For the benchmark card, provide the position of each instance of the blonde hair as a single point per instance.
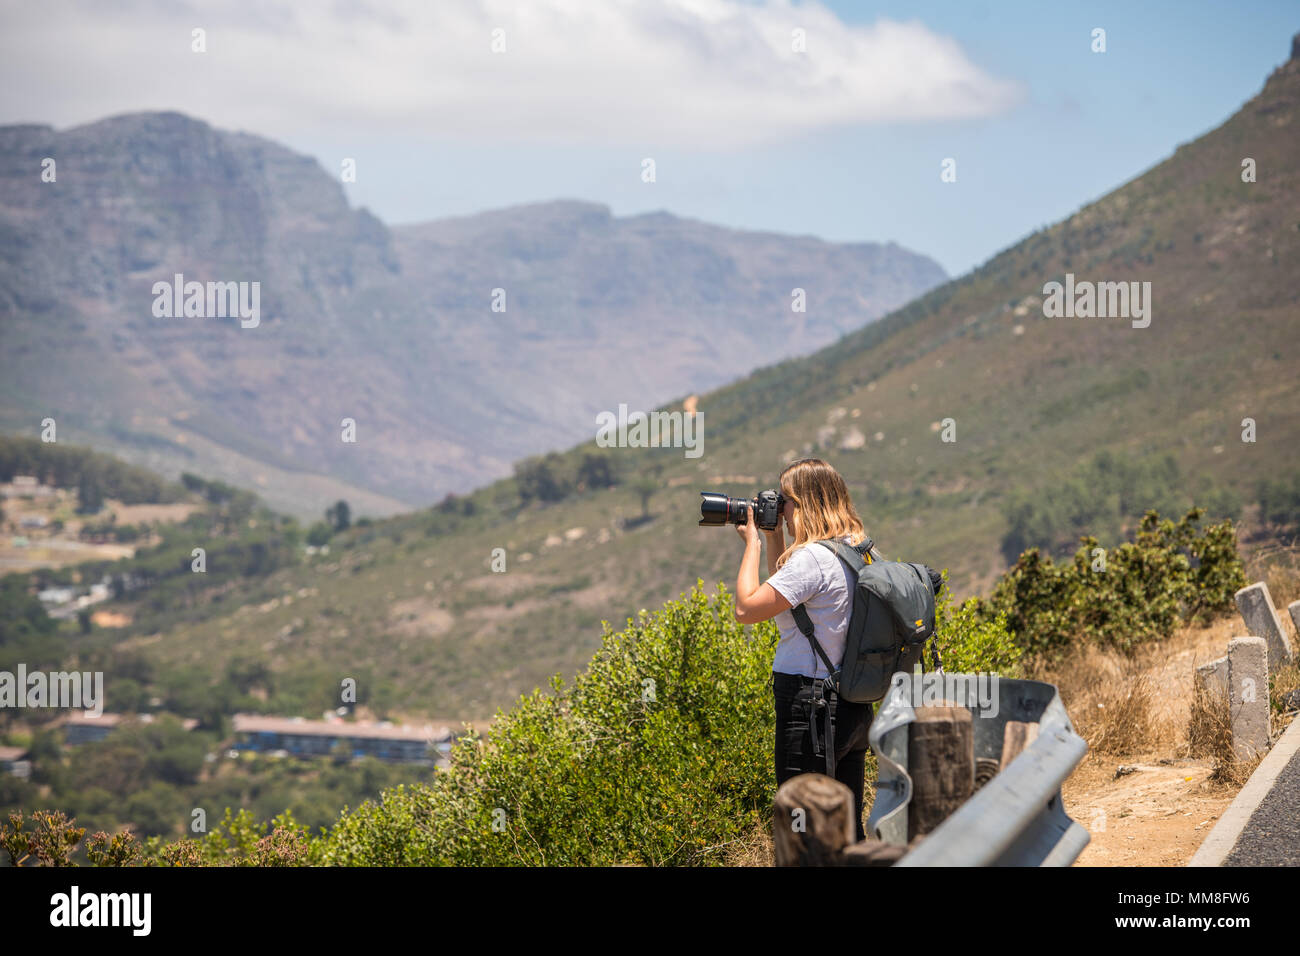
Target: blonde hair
(822, 508)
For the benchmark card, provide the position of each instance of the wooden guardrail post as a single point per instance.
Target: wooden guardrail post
(812, 821)
(941, 763)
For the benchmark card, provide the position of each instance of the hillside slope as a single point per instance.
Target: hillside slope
(392, 328)
(414, 605)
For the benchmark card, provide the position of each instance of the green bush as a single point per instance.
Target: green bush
(1101, 497)
(659, 754)
(1279, 503)
(969, 642)
(1169, 573)
(238, 840)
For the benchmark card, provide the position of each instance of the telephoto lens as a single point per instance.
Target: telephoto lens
(719, 509)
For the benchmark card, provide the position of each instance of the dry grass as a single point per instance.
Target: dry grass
(1145, 705)
(751, 848)
(1113, 699)
(1278, 566)
(1148, 702)
(1209, 734)
(1284, 681)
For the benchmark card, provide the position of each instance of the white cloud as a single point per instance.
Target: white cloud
(678, 73)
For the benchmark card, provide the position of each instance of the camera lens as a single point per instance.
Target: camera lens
(719, 509)
(715, 508)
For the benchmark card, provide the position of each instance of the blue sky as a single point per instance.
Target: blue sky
(839, 143)
(1091, 121)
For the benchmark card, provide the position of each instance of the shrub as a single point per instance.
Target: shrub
(319, 534)
(541, 479)
(51, 840)
(1279, 503)
(660, 753)
(121, 849)
(969, 642)
(238, 840)
(1170, 572)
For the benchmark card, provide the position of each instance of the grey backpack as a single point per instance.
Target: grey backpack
(891, 619)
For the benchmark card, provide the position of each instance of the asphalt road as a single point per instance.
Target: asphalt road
(1272, 837)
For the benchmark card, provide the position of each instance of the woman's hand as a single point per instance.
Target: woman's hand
(749, 531)
(776, 538)
(754, 602)
(775, 547)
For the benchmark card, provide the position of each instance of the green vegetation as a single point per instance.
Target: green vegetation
(970, 640)
(1101, 498)
(1279, 502)
(339, 516)
(153, 776)
(1125, 596)
(1066, 430)
(94, 475)
(658, 754)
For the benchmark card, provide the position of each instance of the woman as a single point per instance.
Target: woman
(817, 506)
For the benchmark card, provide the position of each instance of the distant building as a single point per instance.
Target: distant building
(321, 738)
(65, 602)
(80, 729)
(26, 486)
(12, 761)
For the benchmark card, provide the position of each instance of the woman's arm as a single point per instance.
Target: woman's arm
(755, 602)
(775, 547)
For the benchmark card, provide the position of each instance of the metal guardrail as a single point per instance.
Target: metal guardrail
(1015, 819)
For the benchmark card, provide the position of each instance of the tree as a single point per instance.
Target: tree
(1279, 503)
(645, 487)
(319, 534)
(90, 495)
(339, 516)
(537, 480)
(594, 471)
(21, 615)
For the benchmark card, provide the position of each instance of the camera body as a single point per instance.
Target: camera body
(719, 509)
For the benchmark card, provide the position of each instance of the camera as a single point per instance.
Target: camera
(719, 509)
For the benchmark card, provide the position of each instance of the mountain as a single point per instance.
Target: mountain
(412, 607)
(392, 328)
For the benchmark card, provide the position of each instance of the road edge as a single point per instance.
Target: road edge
(1216, 847)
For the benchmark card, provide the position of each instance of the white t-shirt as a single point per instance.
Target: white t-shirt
(815, 577)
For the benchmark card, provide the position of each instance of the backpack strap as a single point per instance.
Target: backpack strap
(856, 557)
(800, 615)
(819, 701)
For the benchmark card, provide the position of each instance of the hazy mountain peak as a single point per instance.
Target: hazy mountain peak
(458, 346)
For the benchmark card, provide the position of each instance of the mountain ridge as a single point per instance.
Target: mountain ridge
(389, 326)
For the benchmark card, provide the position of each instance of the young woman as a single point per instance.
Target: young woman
(817, 506)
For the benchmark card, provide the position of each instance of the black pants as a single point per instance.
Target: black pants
(792, 695)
